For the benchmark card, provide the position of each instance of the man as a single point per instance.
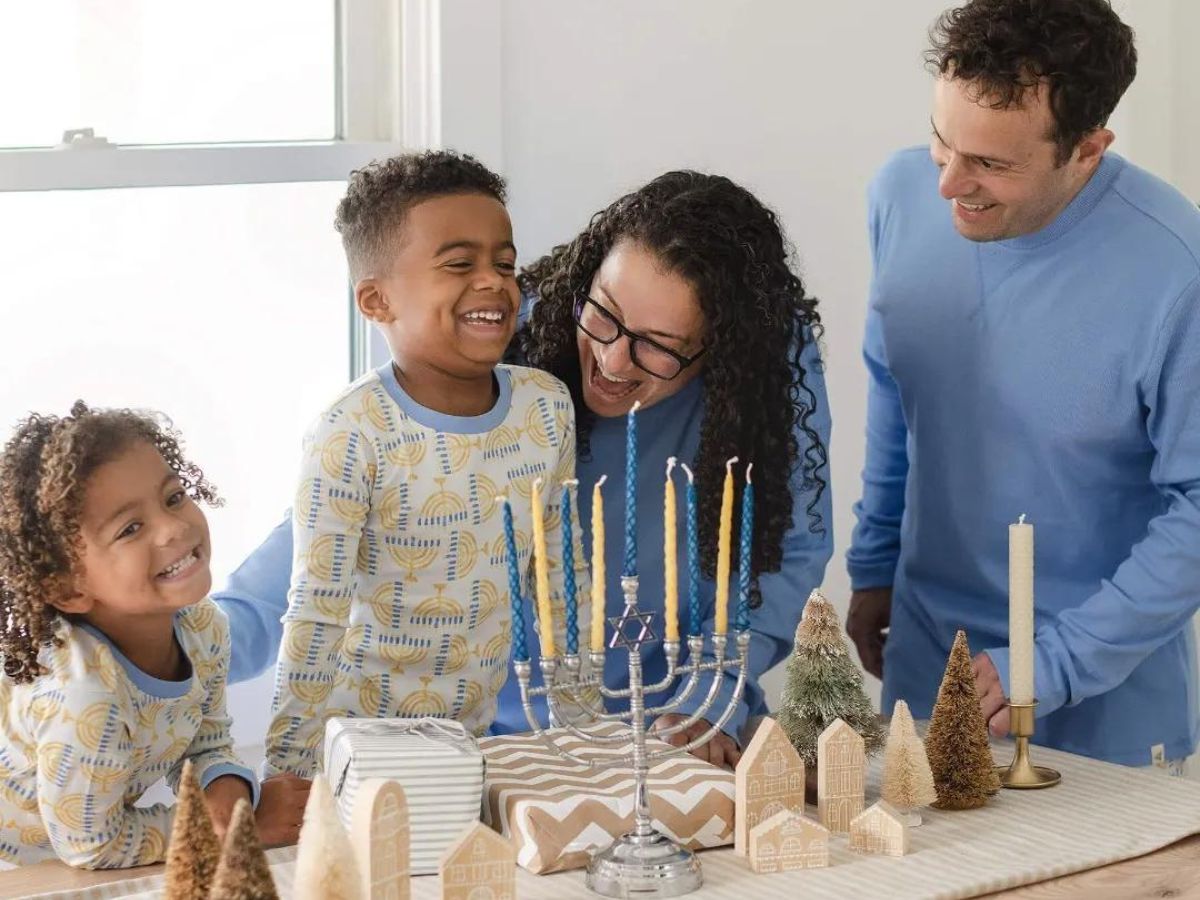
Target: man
(1033, 345)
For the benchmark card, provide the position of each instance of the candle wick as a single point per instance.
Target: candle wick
(670, 465)
(570, 482)
(1021, 519)
(748, 468)
(600, 483)
(537, 482)
(689, 472)
(729, 464)
(637, 404)
(501, 498)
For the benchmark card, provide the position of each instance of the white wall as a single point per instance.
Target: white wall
(1185, 73)
(799, 101)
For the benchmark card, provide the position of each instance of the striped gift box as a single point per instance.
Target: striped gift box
(437, 761)
(558, 812)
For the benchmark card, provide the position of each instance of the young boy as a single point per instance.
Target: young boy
(398, 603)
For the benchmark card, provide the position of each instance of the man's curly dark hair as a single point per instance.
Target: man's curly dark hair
(730, 248)
(380, 194)
(44, 471)
(1080, 49)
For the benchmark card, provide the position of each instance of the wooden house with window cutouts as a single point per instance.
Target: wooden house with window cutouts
(480, 865)
(380, 834)
(841, 763)
(769, 779)
(880, 829)
(786, 842)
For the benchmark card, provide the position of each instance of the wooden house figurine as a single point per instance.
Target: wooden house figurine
(841, 763)
(786, 842)
(769, 779)
(480, 865)
(880, 829)
(379, 831)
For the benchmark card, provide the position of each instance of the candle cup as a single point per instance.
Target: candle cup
(1021, 773)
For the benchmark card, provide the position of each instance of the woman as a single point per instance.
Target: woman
(678, 295)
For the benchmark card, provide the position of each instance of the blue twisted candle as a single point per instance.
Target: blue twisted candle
(520, 647)
(631, 443)
(693, 559)
(568, 564)
(742, 622)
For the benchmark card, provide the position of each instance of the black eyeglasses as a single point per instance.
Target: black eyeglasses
(650, 356)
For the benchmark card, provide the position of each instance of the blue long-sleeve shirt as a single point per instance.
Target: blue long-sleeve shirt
(1055, 374)
(256, 594)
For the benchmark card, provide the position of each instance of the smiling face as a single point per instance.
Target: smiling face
(634, 288)
(448, 302)
(999, 168)
(145, 544)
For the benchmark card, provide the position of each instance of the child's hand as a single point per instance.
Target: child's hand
(281, 809)
(221, 796)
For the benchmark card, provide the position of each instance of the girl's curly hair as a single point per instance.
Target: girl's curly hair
(44, 471)
(730, 248)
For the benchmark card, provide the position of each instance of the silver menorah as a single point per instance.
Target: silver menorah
(643, 862)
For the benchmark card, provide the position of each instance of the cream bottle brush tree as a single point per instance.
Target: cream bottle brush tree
(907, 778)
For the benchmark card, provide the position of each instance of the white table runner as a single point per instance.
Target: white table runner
(1099, 814)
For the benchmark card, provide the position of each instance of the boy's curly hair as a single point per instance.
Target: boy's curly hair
(44, 471)
(380, 194)
(730, 248)
(1080, 48)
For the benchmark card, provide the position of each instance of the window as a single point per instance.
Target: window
(168, 72)
(183, 257)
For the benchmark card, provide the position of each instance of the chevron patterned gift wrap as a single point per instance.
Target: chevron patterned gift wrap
(436, 761)
(558, 812)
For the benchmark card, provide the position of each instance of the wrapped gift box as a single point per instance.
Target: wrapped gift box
(558, 812)
(437, 761)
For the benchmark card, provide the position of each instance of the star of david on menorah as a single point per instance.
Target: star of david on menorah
(644, 862)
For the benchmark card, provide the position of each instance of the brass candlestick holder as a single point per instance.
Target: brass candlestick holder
(1021, 774)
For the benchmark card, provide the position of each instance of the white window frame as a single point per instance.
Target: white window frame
(411, 74)
(387, 98)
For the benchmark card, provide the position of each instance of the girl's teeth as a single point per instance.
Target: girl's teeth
(177, 566)
(484, 317)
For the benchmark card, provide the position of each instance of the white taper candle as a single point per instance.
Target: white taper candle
(1020, 612)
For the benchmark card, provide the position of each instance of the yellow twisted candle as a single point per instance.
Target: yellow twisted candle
(541, 569)
(723, 550)
(670, 560)
(598, 586)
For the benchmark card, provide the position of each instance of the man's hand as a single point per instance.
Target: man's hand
(281, 810)
(221, 796)
(991, 694)
(870, 614)
(722, 750)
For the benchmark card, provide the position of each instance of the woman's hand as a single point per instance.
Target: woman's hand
(221, 796)
(281, 810)
(721, 750)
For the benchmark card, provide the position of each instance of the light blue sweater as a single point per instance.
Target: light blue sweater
(1056, 374)
(256, 595)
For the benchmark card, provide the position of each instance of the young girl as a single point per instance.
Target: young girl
(114, 662)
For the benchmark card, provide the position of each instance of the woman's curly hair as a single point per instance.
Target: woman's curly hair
(730, 248)
(1080, 48)
(44, 471)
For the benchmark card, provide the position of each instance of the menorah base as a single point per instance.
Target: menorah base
(651, 866)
